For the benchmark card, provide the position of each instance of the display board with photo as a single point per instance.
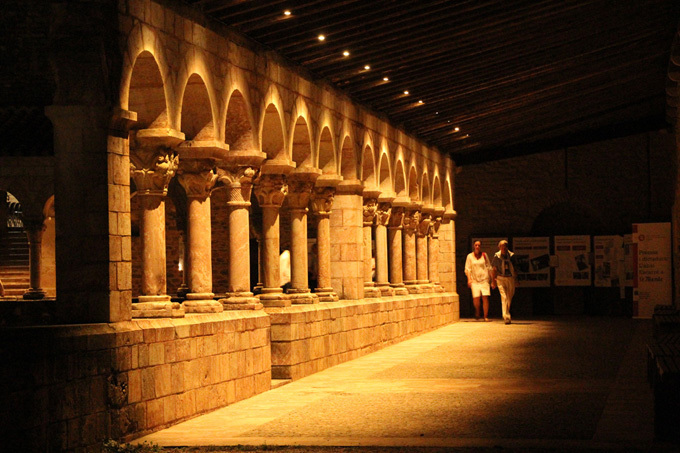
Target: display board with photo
(573, 261)
(532, 255)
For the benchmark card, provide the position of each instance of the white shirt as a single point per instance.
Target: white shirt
(477, 269)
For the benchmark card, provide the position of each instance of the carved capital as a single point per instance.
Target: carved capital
(239, 183)
(382, 214)
(370, 208)
(411, 220)
(152, 169)
(271, 190)
(434, 226)
(424, 224)
(397, 217)
(299, 193)
(197, 177)
(322, 200)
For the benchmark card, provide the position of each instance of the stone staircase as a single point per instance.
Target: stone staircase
(14, 270)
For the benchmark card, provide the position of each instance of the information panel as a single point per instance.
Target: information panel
(609, 256)
(573, 261)
(652, 265)
(532, 256)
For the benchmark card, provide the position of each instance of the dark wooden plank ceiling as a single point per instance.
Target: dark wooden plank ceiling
(512, 76)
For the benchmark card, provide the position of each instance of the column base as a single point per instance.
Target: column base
(34, 294)
(302, 297)
(371, 291)
(386, 290)
(157, 309)
(274, 297)
(426, 287)
(399, 289)
(326, 295)
(243, 300)
(414, 288)
(201, 303)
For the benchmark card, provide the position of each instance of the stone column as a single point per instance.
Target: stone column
(152, 164)
(270, 189)
(322, 203)
(237, 174)
(433, 249)
(411, 222)
(370, 209)
(421, 251)
(197, 177)
(34, 230)
(382, 218)
(300, 185)
(394, 240)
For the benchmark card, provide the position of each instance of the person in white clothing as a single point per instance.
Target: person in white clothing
(477, 270)
(504, 276)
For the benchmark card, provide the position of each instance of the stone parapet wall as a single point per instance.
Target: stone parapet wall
(70, 387)
(309, 338)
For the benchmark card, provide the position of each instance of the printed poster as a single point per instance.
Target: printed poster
(573, 261)
(652, 265)
(609, 257)
(532, 256)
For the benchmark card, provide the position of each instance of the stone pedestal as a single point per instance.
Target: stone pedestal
(421, 252)
(237, 171)
(382, 218)
(270, 189)
(394, 240)
(322, 203)
(411, 221)
(152, 164)
(196, 175)
(370, 209)
(34, 230)
(300, 185)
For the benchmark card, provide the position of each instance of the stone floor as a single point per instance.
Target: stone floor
(557, 384)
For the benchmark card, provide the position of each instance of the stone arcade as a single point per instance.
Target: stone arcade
(179, 144)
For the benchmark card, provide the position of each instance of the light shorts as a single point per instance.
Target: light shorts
(480, 289)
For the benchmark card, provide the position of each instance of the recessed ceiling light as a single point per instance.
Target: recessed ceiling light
(386, 79)
(367, 67)
(436, 113)
(286, 13)
(346, 53)
(456, 129)
(406, 92)
(420, 102)
(322, 37)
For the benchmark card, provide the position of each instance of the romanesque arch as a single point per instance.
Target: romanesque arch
(196, 110)
(239, 131)
(368, 172)
(400, 180)
(348, 159)
(327, 153)
(385, 175)
(301, 143)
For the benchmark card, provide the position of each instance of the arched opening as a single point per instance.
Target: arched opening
(425, 194)
(385, 177)
(196, 111)
(368, 168)
(272, 134)
(348, 160)
(302, 144)
(326, 153)
(413, 184)
(147, 97)
(14, 250)
(238, 130)
(399, 180)
(437, 192)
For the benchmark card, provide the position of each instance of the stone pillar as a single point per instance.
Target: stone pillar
(421, 252)
(347, 241)
(197, 178)
(370, 209)
(382, 218)
(237, 174)
(152, 164)
(300, 185)
(34, 231)
(270, 189)
(433, 249)
(411, 222)
(322, 203)
(394, 240)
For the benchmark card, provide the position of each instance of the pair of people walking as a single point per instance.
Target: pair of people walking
(484, 274)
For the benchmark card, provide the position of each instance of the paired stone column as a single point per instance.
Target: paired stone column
(421, 251)
(411, 222)
(322, 203)
(34, 230)
(237, 172)
(300, 186)
(394, 240)
(370, 209)
(433, 249)
(271, 189)
(153, 163)
(196, 175)
(382, 218)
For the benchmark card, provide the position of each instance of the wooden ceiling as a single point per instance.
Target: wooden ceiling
(496, 78)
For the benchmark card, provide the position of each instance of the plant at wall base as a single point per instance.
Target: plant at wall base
(112, 446)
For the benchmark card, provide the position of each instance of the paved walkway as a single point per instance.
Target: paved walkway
(567, 383)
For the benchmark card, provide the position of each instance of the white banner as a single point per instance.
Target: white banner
(652, 266)
(609, 255)
(573, 261)
(532, 256)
